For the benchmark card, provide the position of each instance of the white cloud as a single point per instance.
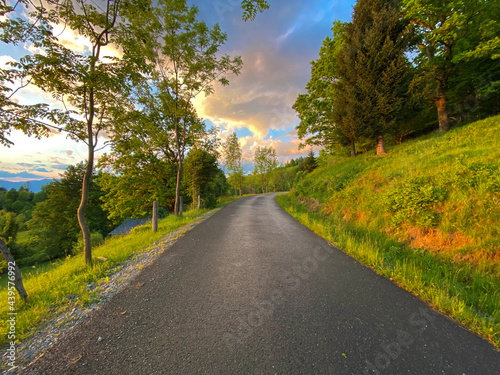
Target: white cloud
(4, 59)
(70, 39)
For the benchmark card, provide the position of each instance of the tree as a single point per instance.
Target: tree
(315, 108)
(94, 85)
(232, 158)
(200, 169)
(184, 54)
(251, 7)
(32, 27)
(265, 162)
(309, 163)
(373, 71)
(444, 33)
(55, 225)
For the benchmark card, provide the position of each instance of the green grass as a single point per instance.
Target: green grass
(57, 286)
(426, 215)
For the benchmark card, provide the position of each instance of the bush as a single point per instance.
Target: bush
(413, 201)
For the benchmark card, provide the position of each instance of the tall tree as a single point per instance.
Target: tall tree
(315, 108)
(200, 169)
(266, 162)
(232, 158)
(373, 71)
(443, 31)
(184, 53)
(95, 86)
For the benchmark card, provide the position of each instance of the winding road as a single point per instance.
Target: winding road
(251, 291)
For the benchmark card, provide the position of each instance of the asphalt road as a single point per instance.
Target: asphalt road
(251, 291)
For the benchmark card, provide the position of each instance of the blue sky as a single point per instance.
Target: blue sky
(277, 48)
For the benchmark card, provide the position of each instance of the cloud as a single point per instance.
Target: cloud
(41, 170)
(4, 59)
(70, 39)
(276, 48)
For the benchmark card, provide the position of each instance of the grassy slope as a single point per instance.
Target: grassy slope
(426, 215)
(50, 286)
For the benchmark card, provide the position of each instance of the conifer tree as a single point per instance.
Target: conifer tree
(373, 72)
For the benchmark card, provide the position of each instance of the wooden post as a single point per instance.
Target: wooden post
(12, 267)
(180, 205)
(155, 216)
(199, 202)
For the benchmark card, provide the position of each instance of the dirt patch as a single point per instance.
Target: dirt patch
(437, 240)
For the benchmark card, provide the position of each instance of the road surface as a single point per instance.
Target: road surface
(251, 291)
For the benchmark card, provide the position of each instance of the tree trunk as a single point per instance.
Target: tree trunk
(177, 209)
(18, 281)
(353, 150)
(381, 146)
(87, 246)
(155, 216)
(444, 121)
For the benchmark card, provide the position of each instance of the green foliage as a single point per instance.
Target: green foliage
(200, 169)
(131, 194)
(265, 163)
(54, 227)
(310, 163)
(252, 7)
(20, 202)
(9, 226)
(232, 159)
(315, 108)
(414, 201)
(457, 45)
(372, 71)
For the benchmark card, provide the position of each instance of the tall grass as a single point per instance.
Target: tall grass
(426, 215)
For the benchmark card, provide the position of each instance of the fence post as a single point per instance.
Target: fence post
(199, 202)
(180, 205)
(155, 216)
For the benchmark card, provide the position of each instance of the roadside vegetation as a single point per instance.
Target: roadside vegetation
(425, 215)
(64, 284)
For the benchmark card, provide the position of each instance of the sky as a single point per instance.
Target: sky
(277, 48)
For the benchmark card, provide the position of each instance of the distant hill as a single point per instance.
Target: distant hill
(34, 185)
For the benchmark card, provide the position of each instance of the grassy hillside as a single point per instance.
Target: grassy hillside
(427, 215)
